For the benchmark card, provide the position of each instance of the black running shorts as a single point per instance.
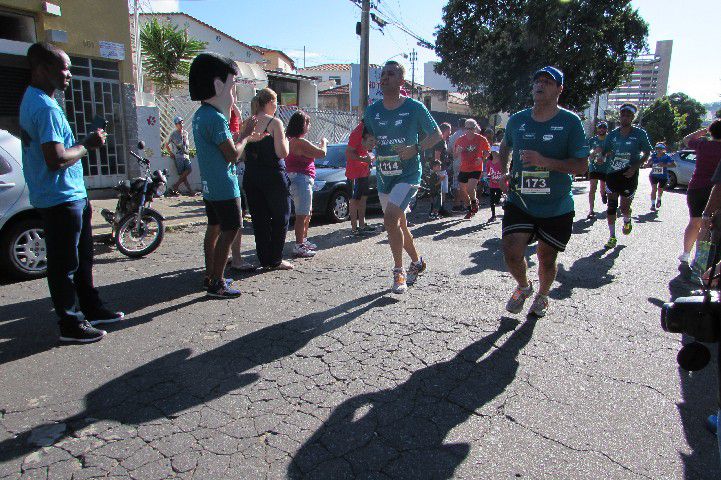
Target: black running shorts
(225, 213)
(696, 199)
(553, 231)
(597, 176)
(617, 182)
(463, 177)
(660, 181)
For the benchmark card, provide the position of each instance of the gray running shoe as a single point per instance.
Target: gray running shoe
(518, 298)
(414, 270)
(540, 305)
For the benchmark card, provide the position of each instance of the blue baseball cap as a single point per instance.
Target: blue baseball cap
(553, 72)
(660, 145)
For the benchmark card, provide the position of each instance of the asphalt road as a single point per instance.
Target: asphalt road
(323, 373)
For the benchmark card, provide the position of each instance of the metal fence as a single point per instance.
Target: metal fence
(333, 125)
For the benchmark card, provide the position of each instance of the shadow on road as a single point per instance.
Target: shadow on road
(468, 230)
(30, 327)
(400, 432)
(590, 272)
(491, 258)
(177, 382)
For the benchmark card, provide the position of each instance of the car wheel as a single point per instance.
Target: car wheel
(672, 181)
(23, 250)
(339, 206)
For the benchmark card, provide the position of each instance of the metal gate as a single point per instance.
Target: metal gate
(95, 90)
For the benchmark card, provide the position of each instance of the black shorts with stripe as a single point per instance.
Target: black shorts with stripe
(553, 231)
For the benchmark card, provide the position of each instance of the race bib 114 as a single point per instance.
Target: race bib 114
(389, 166)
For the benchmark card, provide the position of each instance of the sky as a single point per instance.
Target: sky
(326, 28)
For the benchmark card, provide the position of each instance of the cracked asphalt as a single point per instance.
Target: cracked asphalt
(323, 373)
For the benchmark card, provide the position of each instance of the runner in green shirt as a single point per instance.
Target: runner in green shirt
(625, 150)
(596, 168)
(549, 147)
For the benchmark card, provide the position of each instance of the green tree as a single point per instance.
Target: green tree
(718, 113)
(694, 111)
(490, 48)
(167, 52)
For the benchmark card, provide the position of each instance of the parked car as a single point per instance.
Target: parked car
(682, 172)
(331, 195)
(22, 240)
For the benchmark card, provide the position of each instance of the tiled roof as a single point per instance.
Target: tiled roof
(255, 49)
(345, 67)
(339, 90)
(267, 50)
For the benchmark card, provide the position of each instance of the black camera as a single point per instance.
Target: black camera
(698, 316)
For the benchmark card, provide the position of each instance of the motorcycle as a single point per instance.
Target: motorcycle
(138, 229)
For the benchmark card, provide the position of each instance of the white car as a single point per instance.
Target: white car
(22, 240)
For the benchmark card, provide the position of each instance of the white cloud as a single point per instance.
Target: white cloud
(165, 5)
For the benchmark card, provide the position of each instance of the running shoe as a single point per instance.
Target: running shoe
(468, 215)
(301, 251)
(399, 281)
(354, 232)
(310, 245)
(627, 227)
(474, 207)
(415, 269)
(492, 219)
(103, 315)
(518, 298)
(206, 282)
(368, 229)
(611, 243)
(221, 289)
(684, 257)
(658, 203)
(653, 207)
(539, 305)
(432, 216)
(81, 332)
(591, 215)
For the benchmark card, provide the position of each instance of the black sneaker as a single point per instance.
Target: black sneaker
(222, 289)
(206, 282)
(81, 332)
(104, 316)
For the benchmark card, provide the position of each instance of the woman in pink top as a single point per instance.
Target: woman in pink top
(300, 166)
(494, 174)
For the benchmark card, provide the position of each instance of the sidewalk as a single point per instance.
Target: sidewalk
(177, 211)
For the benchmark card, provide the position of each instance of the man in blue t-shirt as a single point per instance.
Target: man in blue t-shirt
(659, 162)
(397, 123)
(625, 150)
(54, 177)
(212, 81)
(549, 147)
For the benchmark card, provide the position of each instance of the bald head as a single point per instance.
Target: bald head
(49, 66)
(44, 54)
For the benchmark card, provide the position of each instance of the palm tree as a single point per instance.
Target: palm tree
(167, 53)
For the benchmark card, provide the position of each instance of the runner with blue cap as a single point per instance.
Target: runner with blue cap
(659, 162)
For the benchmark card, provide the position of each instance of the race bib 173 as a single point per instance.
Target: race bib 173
(535, 183)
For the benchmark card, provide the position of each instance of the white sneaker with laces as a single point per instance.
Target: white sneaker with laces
(684, 257)
(300, 250)
(309, 245)
(399, 281)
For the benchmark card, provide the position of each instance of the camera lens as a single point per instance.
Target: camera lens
(669, 318)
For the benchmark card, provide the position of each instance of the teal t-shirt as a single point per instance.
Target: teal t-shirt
(593, 165)
(625, 151)
(537, 191)
(220, 178)
(401, 126)
(43, 121)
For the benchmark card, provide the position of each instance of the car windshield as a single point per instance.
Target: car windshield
(335, 158)
(687, 156)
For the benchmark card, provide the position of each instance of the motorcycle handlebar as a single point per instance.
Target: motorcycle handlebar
(140, 159)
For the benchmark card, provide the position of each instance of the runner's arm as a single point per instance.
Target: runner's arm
(352, 154)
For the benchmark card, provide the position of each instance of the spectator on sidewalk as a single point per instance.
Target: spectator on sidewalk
(300, 164)
(178, 146)
(212, 81)
(266, 184)
(358, 159)
(54, 177)
(237, 261)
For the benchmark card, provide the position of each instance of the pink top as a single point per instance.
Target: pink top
(494, 174)
(300, 164)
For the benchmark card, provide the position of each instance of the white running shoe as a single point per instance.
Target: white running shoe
(399, 281)
(684, 257)
(301, 251)
(309, 245)
(414, 270)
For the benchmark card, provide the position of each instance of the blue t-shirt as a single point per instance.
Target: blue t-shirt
(659, 167)
(625, 151)
(593, 164)
(43, 121)
(537, 191)
(401, 126)
(220, 178)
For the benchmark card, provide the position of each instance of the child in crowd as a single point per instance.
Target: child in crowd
(494, 175)
(436, 180)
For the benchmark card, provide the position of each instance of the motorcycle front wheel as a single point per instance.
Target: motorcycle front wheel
(138, 242)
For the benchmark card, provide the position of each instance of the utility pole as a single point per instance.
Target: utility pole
(303, 57)
(364, 56)
(138, 58)
(414, 57)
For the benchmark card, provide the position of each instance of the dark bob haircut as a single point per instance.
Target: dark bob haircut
(205, 68)
(296, 124)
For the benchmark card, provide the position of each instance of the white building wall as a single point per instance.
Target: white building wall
(325, 75)
(216, 42)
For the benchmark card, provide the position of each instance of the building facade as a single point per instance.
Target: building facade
(102, 83)
(649, 79)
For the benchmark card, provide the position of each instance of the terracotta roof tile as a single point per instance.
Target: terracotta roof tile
(339, 90)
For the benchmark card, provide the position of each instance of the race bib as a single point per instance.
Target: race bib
(657, 170)
(535, 183)
(619, 163)
(390, 166)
